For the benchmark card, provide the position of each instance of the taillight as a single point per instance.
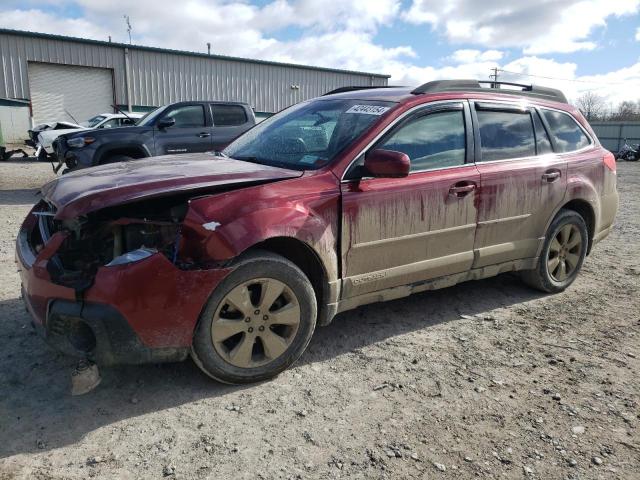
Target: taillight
(610, 161)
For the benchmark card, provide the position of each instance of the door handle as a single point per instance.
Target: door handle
(204, 134)
(461, 189)
(551, 176)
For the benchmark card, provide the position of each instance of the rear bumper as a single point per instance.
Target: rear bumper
(135, 313)
(609, 208)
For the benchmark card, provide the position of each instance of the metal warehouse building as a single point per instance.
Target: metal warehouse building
(45, 78)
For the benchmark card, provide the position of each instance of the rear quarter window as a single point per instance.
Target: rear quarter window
(567, 134)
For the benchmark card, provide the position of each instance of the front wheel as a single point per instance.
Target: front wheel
(257, 322)
(562, 255)
(43, 156)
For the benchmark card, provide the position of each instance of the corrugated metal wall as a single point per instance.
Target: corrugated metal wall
(613, 134)
(159, 77)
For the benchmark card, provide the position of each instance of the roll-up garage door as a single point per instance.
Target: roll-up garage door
(57, 89)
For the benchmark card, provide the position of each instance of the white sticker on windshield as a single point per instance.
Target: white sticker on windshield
(368, 109)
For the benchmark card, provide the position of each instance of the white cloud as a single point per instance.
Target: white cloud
(470, 56)
(38, 21)
(545, 26)
(638, 34)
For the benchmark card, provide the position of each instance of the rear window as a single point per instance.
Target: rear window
(228, 115)
(505, 135)
(567, 134)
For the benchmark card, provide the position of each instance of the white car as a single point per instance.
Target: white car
(46, 138)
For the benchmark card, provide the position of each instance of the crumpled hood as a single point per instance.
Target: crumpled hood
(88, 190)
(48, 136)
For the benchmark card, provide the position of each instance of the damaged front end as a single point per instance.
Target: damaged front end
(113, 267)
(110, 237)
(113, 285)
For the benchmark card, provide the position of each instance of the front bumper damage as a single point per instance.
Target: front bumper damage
(134, 313)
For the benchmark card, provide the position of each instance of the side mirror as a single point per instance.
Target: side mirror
(166, 122)
(387, 164)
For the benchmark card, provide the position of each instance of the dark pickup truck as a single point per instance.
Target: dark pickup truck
(183, 127)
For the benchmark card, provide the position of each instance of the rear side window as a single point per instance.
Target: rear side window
(505, 135)
(543, 143)
(435, 140)
(567, 135)
(228, 115)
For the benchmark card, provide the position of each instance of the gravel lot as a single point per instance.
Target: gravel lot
(486, 379)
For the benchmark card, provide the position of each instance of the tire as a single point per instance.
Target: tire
(548, 275)
(43, 156)
(256, 273)
(116, 159)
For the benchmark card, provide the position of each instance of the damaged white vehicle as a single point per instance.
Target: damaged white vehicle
(46, 138)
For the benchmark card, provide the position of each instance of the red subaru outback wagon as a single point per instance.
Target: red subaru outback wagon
(359, 196)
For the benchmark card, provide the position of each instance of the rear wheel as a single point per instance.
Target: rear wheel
(562, 255)
(257, 322)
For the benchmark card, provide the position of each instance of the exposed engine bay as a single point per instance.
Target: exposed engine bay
(110, 237)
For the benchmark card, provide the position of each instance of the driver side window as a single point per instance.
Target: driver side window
(432, 141)
(188, 116)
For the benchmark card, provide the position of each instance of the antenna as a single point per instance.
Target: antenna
(127, 21)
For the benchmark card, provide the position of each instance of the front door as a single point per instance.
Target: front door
(190, 133)
(407, 230)
(522, 182)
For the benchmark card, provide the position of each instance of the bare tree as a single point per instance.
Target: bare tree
(592, 105)
(627, 111)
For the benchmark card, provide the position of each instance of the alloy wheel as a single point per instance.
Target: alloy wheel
(564, 253)
(255, 323)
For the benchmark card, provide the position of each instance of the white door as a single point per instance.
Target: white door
(60, 90)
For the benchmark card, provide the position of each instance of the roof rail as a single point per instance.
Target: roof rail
(354, 88)
(474, 85)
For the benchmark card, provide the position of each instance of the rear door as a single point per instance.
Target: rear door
(229, 122)
(398, 231)
(190, 133)
(522, 182)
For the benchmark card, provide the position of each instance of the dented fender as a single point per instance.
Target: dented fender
(221, 227)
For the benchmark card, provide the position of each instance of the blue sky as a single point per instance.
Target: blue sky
(576, 45)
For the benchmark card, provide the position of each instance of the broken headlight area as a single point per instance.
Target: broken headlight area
(110, 243)
(112, 237)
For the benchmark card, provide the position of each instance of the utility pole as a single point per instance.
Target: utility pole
(494, 77)
(208, 48)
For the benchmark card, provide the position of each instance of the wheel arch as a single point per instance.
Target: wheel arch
(305, 257)
(586, 211)
(133, 151)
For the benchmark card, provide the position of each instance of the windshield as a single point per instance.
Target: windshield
(92, 122)
(308, 135)
(150, 117)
